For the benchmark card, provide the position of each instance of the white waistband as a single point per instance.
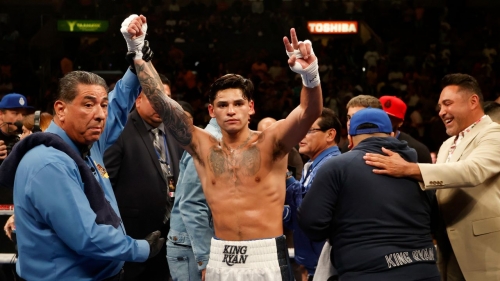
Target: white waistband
(244, 254)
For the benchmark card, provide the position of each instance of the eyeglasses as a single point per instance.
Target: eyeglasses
(312, 130)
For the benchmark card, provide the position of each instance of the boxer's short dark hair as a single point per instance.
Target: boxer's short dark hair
(231, 81)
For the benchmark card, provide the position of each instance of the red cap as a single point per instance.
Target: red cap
(393, 106)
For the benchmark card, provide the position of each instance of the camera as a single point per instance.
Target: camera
(9, 146)
(11, 140)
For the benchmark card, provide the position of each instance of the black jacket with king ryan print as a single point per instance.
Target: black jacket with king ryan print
(379, 226)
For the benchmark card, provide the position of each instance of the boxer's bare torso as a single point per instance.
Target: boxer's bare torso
(243, 173)
(244, 187)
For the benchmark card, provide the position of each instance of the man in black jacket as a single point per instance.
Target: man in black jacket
(379, 227)
(140, 183)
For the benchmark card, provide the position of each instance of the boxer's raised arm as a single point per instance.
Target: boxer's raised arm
(302, 60)
(172, 114)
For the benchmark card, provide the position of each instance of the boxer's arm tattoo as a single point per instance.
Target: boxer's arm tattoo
(171, 112)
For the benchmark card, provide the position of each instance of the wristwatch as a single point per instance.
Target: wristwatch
(289, 174)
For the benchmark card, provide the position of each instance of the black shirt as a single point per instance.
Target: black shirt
(423, 153)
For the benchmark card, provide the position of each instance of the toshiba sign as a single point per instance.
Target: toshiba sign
(332, 27)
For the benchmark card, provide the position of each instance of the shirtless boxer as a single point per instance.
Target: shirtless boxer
(243, 173)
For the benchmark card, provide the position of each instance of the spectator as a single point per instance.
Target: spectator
(142, 165)
(66, 65)
(37, 122)
(276, 71)
(395, 78)
(191, 229)
(174, 7)
(13, 108)
(259, 68)
(354, 105)
(492, 109)
(166, 85)
(371, 58)
(320, 144)
(490, 53)
(396, 109)
(417, 122)
(467, 179)
(346, 199)
(258, 6)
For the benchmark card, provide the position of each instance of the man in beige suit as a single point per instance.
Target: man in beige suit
(467, 179)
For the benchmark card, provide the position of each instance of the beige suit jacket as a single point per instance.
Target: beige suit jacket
(469, 200)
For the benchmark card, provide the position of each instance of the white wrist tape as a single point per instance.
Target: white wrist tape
(310, 75)
(136, 44)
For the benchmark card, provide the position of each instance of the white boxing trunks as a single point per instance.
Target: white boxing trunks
(253, 260)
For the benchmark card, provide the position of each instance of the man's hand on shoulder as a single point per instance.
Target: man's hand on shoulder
(391, 164)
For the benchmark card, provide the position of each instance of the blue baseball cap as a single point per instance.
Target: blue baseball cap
(373, 116)
(14, 100)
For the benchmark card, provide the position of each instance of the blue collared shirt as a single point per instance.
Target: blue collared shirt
(190, 217)
(306, 251)
(57, 236)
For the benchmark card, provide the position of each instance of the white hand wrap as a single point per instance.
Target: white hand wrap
(136, 44)
(310, 75)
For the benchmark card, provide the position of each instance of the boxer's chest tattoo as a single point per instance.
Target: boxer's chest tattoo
(250, 161)
(217, 161)
(233, 164)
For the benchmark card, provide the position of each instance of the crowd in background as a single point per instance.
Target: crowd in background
(410, 49)
(406, 52)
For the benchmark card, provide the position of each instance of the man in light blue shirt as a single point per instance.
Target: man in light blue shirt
(188, 241)
(60, 234)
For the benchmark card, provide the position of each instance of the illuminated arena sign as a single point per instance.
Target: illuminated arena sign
(82, 25)
(332, 27)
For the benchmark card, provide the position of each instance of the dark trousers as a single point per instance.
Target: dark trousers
(117, 277)
(154, 269)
